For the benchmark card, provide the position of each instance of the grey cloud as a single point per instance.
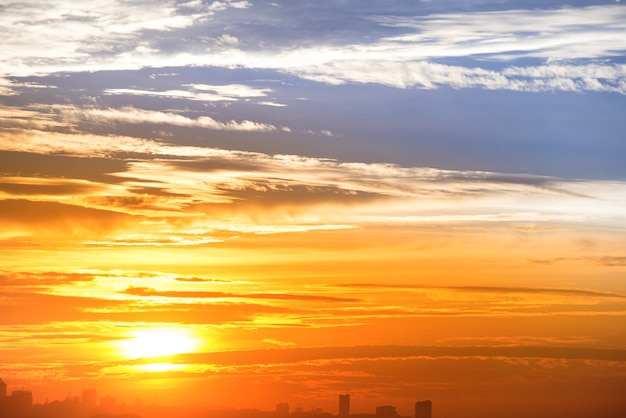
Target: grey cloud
(292, 355)
(96, 170)
(25, 309)
(495, 289)
(199, 280)
(276, 193)
(208, 165)
(551, 184)
(608, 261)
(146, 291)
(53, 213)
(24, 280)
(362, 34)
(611, 261)
(25, 189)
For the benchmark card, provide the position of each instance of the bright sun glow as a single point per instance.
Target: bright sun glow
(159, 342)
(161, 367)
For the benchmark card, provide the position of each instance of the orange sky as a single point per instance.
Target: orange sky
(481, 314)
(190, 276)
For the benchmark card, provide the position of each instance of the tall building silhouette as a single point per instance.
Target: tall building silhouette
(22, 399)
(90, 397)
(3, 389)
(423, 409)
(344, 405)
(282, 408)
(386, 411)
(107, 403)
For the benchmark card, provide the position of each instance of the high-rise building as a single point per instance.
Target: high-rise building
(282, 408)
(423, 409)
(22, 398)
(386, 411)
(90, 397)
(3, 389)
(344, 405)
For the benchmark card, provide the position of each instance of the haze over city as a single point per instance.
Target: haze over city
(231, 205)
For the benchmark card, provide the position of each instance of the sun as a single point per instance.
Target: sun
(156, 342)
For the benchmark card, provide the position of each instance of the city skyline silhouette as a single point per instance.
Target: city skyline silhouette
(19, 404)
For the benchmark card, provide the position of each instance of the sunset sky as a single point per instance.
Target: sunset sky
(241, 203)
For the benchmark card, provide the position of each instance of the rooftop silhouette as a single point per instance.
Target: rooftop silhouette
(20, 405)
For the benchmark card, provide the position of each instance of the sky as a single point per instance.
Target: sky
(241, 203)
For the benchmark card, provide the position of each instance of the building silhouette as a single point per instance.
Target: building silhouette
(3, 389)
(386, 411)
(90, 397)
(423, 409)
(18, 405)
(107, 403)
(22, 399)
(344, 405)
(282, 408)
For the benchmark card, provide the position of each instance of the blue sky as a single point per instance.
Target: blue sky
(507, 86)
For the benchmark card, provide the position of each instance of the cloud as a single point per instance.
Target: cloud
(153, 240)
(223, 5)
(430, 75)
(496, 289)
(170, 94)
(274, 105)
(17, 187)
(30, 280)
(133, 115)
(524, 340)
(232, 90)
(278, 343)
(23, 118)
(296, 192)
(227, 39)
(70, 35)
(607, 261)
(292, 355)
(73, 218)
(144, 291)
(202, 196)
(7, 87)
(196, 280)
(44, 167)
(564, 33)
(89, 145)
(407, 48)
(198, 92)
(96, 296)
(25, 308)
(76, 32)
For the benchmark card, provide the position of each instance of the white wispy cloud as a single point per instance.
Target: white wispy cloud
(76, 36)
(429, 75)
(576, 45)
(231, 90)
(170, 94)
(565, 33)
(223, 5)
(402, 194)
(130, 114)
(7, 87)
(16, 117)
(199, 92)
(43, 34)
(274, 104)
